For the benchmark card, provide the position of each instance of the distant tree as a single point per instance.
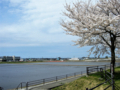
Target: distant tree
(98, 56)
(97, 25)
(106, 56)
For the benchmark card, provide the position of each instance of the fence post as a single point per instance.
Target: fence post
(105, 67)
(74, 74)
(112, 77)
(43, 81)
(101, 70)
(105, 75)
(27, 86)
(66, 76)
(21, 85)
(56, 78)
(97, 68)
(87, 70)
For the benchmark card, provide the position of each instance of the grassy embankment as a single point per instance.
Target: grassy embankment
(20, 62)
(89, 82)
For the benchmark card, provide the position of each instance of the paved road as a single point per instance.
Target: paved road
(50, 85)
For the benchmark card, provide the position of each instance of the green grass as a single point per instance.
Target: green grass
(89, 82)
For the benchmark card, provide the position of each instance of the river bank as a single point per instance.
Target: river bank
(89, 82)
(88, 60)
(20, 62)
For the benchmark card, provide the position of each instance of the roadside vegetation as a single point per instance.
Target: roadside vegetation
(89, 82)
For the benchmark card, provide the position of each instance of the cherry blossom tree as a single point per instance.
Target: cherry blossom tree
(96, 25)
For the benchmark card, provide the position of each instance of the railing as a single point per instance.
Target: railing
(117, 64)
(1, 88)
(53, 79)
(110, 81)
(49, 80)
(21, 85)
(93, 69)
(109, 77)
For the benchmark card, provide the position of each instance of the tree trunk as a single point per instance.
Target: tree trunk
(113, 39)
(113, 59)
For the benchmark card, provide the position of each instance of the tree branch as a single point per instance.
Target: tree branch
(106, 41)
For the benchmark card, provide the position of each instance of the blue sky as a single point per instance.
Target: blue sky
(30, 28)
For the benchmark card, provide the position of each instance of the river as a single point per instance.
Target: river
(12, 74)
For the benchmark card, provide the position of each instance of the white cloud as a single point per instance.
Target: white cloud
(38, 25)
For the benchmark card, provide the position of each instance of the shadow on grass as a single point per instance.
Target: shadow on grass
(117, 75)
(98, 74)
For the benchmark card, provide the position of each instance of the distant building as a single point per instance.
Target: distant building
(58, 58)
(21, 60)
(0, 59)
(17, 59)
(74, 59)
(9, 59)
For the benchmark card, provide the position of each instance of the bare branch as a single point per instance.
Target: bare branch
(106, 41)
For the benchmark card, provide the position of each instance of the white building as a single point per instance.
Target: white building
(74, 59)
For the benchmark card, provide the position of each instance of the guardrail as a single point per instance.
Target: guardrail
(93, 69)
(49, 80)
(109, 77)
(21, 85)
(53, 79)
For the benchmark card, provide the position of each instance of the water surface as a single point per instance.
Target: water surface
(12, 74)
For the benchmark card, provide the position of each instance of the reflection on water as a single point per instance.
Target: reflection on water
(12, 74)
